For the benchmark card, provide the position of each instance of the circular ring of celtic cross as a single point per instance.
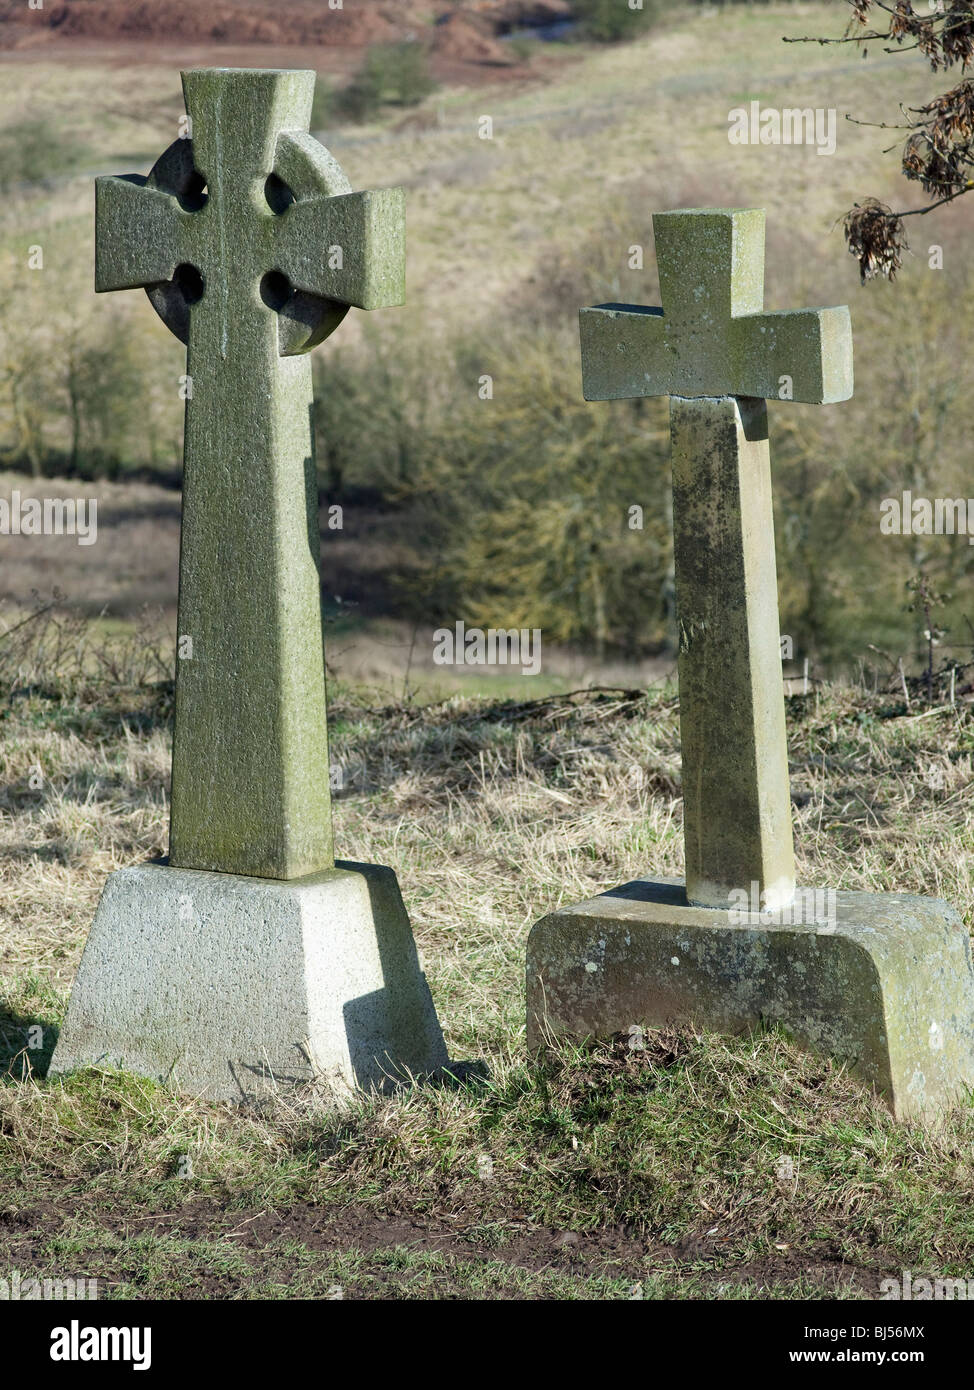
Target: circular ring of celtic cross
(304, 319)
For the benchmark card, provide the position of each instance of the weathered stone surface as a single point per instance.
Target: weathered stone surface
(717, 355)
(227, 987)
(887, 985)
(711, 337)
(251, 272)
(736, 799)
(279, 967)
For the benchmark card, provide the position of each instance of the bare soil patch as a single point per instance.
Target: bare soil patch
(461, 39)
(300, 22)
(504, 1237)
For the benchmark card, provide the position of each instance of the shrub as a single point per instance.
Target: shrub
(34, 151)
(611, 21)
(394, 74)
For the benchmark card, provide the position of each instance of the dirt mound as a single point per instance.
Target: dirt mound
(463, 37)
(247, 21)
(469, 38)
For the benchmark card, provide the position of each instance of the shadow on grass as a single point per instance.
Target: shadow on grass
(98, 711)
(27, 1042)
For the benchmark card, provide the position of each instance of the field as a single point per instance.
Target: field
(697, 1166)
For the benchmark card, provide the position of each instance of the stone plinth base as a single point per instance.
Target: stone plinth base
(884, 981)
(227, 987)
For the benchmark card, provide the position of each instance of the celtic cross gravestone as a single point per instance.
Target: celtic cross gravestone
(250, 957)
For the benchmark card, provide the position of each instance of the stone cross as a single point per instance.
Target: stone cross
(718, 356)
(883, 982)
(251, 246)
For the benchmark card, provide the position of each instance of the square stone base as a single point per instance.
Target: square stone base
(884, 983)
(227, 987)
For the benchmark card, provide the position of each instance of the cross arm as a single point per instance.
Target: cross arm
(800, 355)
(138, 233)
(333, 243)
(349, 248)
(623, 352)
(630, 351)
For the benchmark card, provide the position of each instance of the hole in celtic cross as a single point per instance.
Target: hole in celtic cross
(189, 282)
(193, 194)
(279, 196)
(275, 289)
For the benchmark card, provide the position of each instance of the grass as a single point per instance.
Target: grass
(699, 1167)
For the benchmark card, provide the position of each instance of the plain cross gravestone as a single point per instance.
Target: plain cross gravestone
(250, 958)
(885, 981)
(715, 353)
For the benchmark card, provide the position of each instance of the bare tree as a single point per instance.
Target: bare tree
(938, 150)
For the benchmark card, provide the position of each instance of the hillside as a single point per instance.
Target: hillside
(465, 33)
(507, 235)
